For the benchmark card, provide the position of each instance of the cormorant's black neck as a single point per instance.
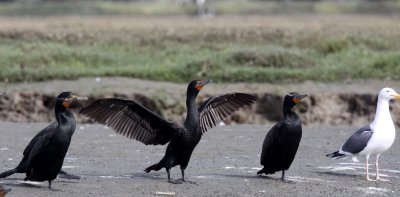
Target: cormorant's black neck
(288, 113)
(64, 117)
(192, 116)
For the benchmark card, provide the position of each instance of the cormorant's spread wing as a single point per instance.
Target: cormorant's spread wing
(215, 109)
(131, 120)
(269, 142)
(37, 137)
(358, 141)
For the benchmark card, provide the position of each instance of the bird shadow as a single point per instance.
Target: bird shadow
(141, 175)
(250, 177)
(25, 185)
(338, 174)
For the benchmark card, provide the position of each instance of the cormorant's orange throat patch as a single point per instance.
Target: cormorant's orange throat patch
(296, 100)
(198, 87)
(66, 103)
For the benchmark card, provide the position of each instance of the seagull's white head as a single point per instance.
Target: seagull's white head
(388, 94)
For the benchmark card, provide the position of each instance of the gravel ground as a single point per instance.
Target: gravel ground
(223, 164)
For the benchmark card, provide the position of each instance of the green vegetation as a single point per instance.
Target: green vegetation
(168, 7)
(177, 48)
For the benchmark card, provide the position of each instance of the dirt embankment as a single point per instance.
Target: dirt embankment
(334, 109)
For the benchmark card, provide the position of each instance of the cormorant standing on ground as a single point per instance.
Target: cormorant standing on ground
(134, 121)
(282, 141)
(44, 155)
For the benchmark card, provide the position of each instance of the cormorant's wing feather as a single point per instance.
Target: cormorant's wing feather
(131, 120)
(358, 141)
(43, 132)
(38, 143)
(215, 109)
(270, 141)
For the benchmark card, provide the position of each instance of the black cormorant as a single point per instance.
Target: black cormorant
(134, 121)
(282, 141)
(44, 155)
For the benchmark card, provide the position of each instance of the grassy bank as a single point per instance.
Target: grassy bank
(170, 7)
(178, 48)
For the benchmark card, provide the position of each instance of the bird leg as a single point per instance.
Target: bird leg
(169, 178)
(283, 178)
(183, 177)
(366, 166)
(49, 184)
(377, 169)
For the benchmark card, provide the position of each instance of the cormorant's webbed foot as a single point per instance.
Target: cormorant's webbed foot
(180, 181)
(174, 181)
(66, 175)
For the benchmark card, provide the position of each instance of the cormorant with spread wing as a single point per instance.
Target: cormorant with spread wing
(282, 141)
(44, 155)
(134, 121)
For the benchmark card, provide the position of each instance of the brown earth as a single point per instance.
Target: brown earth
(347, 103)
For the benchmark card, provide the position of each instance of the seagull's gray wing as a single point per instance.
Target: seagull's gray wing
(358, 141)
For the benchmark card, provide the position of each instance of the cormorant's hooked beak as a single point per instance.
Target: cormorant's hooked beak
(72, 99)
(201, 83)
(299, 97)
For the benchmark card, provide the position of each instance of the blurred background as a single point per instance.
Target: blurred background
(307, 43)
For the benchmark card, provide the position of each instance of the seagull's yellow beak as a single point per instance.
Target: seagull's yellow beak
(397, 96)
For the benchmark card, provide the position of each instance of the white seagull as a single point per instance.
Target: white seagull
(375, 138)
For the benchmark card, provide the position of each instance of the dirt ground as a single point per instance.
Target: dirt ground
(223, 164)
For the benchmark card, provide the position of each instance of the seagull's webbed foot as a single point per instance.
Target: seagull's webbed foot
(369, 179)
(381, 179)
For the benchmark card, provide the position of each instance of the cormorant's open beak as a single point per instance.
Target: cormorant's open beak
(300, 97)
(202, 83)
(72, 99)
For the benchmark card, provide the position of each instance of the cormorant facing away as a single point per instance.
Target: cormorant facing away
(134, 121)
(44, 155)
(4, 191)
(372, 139)
(283, 139)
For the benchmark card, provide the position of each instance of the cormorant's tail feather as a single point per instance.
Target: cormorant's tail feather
(262, 171)
(8, 173)
(155, 167)
(336, 155)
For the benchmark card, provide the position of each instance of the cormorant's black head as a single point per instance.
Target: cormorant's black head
(195, 86)
(293, 98)
(4, 191)
(66, 99)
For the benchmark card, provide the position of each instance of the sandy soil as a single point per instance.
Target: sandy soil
(224, 164)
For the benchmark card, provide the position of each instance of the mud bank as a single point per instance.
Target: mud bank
(327, 108)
